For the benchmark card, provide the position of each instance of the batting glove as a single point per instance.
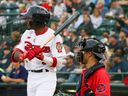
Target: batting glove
(31, 53)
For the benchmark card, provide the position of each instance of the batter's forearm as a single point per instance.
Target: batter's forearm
(53, 61)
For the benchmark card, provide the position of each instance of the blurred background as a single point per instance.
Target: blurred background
(107, 20)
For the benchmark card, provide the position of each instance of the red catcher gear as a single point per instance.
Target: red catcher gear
(97, 83)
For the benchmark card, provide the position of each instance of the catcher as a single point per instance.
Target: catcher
(95, 80)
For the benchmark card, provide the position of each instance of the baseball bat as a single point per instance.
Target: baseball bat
(60, 29)
(66, 23)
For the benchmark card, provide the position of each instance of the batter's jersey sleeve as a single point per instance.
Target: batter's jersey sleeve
(57, 48)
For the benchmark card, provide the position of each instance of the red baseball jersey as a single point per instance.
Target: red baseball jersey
(99, 82)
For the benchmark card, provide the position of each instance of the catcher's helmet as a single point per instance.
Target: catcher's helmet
(38, 14)
(94, 46)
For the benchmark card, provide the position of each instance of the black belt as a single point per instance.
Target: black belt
(38, 71)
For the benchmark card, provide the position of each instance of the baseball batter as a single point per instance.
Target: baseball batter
(43, 62)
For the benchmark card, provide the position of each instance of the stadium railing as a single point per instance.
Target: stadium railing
(13, 89)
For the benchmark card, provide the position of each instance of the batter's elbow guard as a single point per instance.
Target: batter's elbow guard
(15, 55)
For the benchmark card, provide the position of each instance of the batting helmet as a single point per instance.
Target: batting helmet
(38, 14)
(94, 46)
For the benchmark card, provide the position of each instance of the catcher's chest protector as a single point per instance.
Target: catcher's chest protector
(83, 87)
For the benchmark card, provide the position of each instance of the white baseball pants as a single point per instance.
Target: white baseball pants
(41, 84)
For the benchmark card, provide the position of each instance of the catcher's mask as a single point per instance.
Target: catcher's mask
(91, 45)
